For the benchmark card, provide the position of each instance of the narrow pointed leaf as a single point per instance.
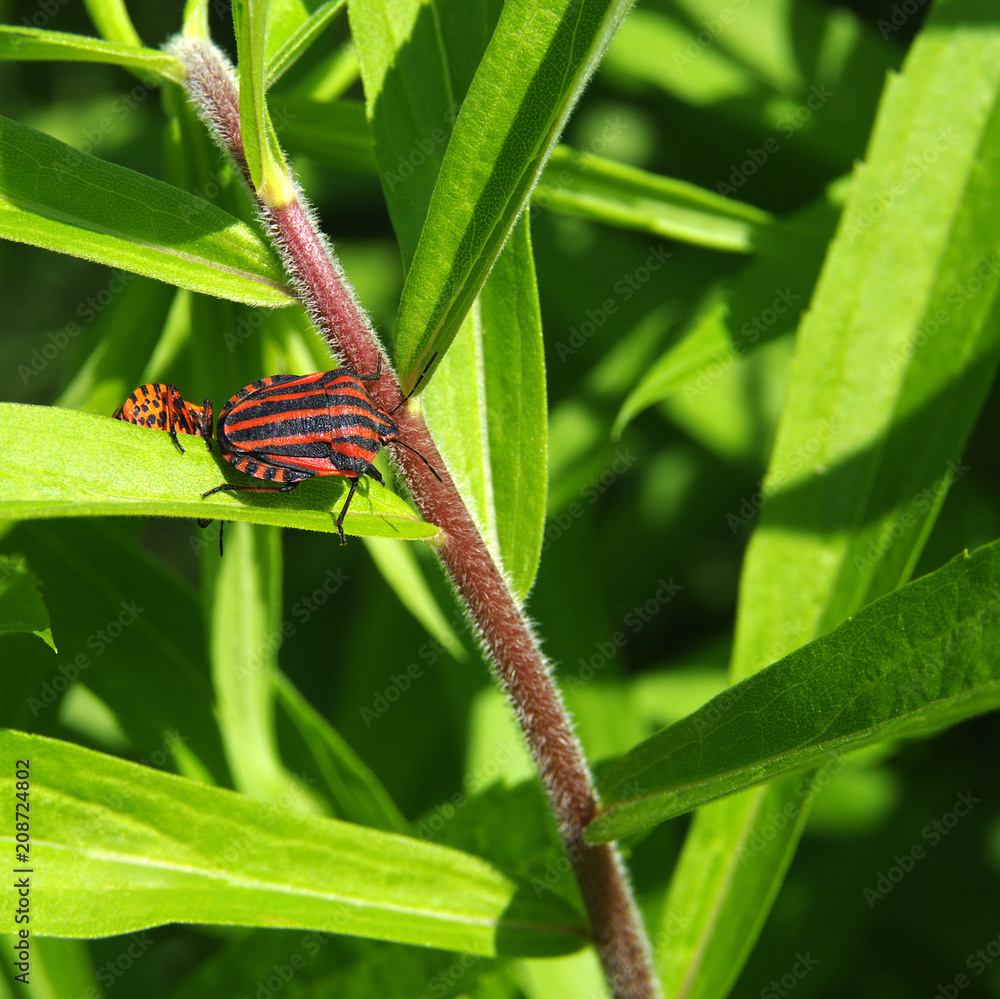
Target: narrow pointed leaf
(487, 410)
(289, 50)
(918, 660)
(538, 60)
(486, 403)
(243, 596)
(764, 301)
(412, 92)
(264, 157)
(56, 197)
(98, 466)
(357, 794)
(167, 849)
(36, 44)
(401, 570)
(599, 189)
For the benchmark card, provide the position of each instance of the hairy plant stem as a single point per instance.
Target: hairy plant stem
(504, 630)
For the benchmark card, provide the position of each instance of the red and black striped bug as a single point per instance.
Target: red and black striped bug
(285, 429)
(160, 407)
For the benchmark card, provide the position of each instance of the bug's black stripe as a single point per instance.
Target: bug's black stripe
(350, 449)
(265, 413)
(275, 402)
(322, 425)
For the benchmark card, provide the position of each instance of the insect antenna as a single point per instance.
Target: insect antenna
(416, 385)
(420, 456)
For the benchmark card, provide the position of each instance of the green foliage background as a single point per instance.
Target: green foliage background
(669, 318)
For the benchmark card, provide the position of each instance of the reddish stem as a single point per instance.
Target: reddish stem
(505, 632)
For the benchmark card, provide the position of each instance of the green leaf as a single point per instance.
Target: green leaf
(573, 183)
(21, 605)
(355, 791)
(296, 44)
(765, 301)
(486, 408)
(412, 93)
(537, 62)
(35, 44)
(601, 190)
(55, 197)
(894, 360)
(167, 849)
(486, 403)
(114, 604)
(400, 569)
(333, 133)
(243, 597)
(265, 159)
(918, 660)
(125, 335)
(112, 21)
(99, 466)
